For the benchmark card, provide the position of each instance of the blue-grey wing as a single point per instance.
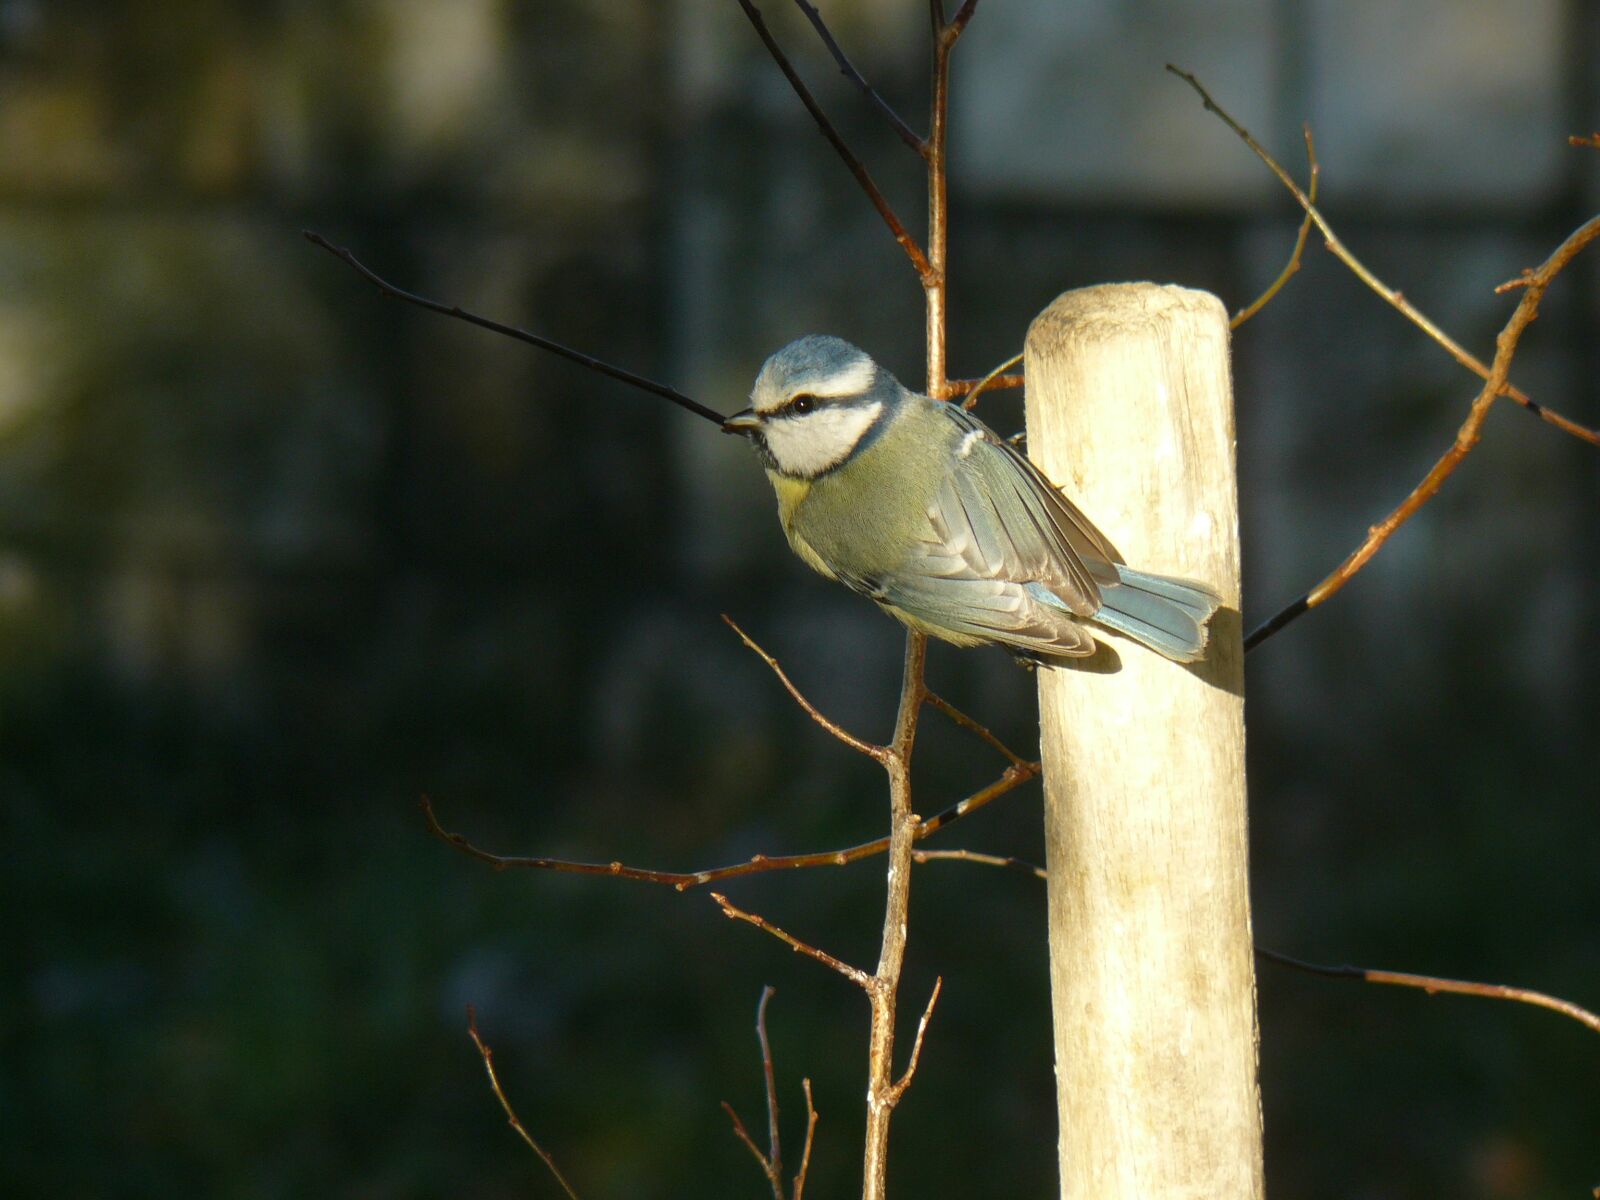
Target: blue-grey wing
(1006, 556)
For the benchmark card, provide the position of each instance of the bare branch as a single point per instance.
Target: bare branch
(906, 134)
(967, 723)
(743, 1135)
(914, 252)
(1591, 140)
(511, 331)
(904, 1081)
(682, 881)
(1391, 295)
(1293, 264)
(988, 860)
(731, 910)
(1433, 984)
(805, 1153)
(1471, 430)
(958, 24)
(505, 1105)
(877, 753)
(775, 1153)
(962, 387)
(986, 382)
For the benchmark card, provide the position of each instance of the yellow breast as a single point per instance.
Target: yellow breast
(791, 494)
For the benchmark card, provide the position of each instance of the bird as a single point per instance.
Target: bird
(918, 505)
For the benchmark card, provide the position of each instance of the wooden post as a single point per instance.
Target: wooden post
(1152, 976)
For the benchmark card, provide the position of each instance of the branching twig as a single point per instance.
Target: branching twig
(906, 134)
(772, 1161)
(1535, 283)
(1391, 295)
(962, 387)
(901, 1084)
(1013, 778)
(1293, 264)
(990, 380)
(876, 753)
(743, 1134)
(511, 331)
(854, 974)
(1433, 984)
(914, 252)
(505, 1105)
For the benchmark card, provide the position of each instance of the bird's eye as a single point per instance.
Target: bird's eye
(802, 404)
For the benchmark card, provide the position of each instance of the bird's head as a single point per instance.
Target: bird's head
(816, 403)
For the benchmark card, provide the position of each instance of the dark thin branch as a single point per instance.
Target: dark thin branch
(511, 331)
(505, 1105)
(906, 134)
(1433, 984)
(914, 252)
(963, 387)
(743, 1135)
(959, 24)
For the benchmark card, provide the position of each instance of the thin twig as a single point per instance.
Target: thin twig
(775, 1153)
(1591, 140)
(914, 252)
(731, 910)
(961, 387)
(973, 727)
(505, 1105)
(1433, 984)
(987, 382)
(1391, 295)
(743, 1135)
(906, 134)
(805, 1152)
(1471, 430)
(1012, 778)
(904, 1081)
(988, 860)
(875, 752)
(1293, 264)
(511, 331)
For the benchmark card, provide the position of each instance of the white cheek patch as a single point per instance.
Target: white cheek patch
(809, 445)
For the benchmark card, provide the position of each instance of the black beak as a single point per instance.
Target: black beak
(746, 423)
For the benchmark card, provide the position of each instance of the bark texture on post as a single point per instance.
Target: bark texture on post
(1130, 411)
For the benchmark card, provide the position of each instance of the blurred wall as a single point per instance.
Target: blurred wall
(278, 556)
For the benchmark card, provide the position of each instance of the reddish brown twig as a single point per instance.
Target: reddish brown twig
(772, 1161)
(1433, 984)
(901, 1084)
(1471, 430)
(987, 860)
(1293, 265)
(731, 910)
(505, 1105)
(846, 68)
(967, 723)
(1393, 296)
(683, 881)
(965, 387)
(874, 752)
(1591, 140)
(914, 252)
(386, 288)
(983, 384)
(805, 1151)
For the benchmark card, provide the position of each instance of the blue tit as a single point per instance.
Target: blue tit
(921, 507)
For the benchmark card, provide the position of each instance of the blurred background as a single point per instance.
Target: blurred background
(278, 556)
